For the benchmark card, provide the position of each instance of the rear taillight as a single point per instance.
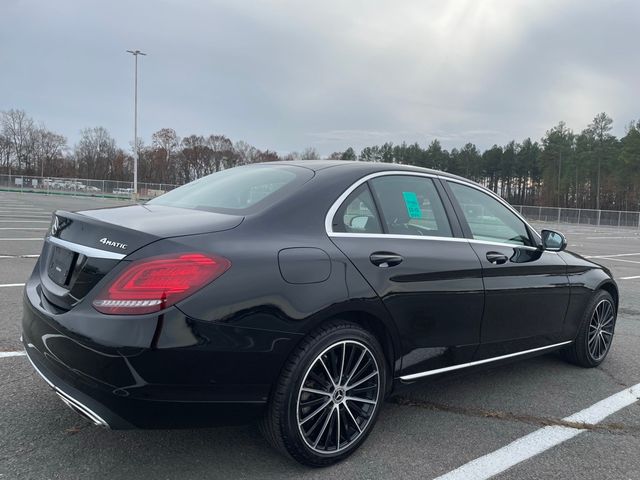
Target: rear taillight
(156, 283)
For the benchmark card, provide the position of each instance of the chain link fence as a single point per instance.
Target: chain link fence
(581, 216)
(81, 186)
(117, 189)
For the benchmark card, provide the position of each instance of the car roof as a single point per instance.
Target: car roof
(364, 167)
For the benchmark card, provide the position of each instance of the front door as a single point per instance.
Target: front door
(527, 288)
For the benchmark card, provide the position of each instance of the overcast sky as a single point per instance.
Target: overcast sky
(285, 75)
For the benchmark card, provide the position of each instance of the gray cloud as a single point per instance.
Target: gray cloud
(289, 74)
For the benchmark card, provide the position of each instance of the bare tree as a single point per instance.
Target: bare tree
(310, 153)
(18, 128)
(49, 147)
(245, 153)
(95, 153)
(6, 149)
(267, 156)
(292, 156)
(196, 157)
(222, 150)
(166, 141)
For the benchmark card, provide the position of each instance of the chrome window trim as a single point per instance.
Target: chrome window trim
(84, 250)
(415, 376)
(396, 236)
(428, 237)
(336, 205)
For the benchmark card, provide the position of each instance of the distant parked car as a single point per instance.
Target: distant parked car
(123, 191)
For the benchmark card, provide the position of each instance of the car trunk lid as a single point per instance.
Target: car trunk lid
(82, 247)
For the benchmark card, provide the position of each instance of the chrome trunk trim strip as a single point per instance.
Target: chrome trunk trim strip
(84, 250)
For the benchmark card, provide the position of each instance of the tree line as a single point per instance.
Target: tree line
(589, 169)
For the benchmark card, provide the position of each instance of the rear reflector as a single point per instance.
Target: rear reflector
(153, 284)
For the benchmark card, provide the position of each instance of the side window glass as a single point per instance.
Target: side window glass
(489, 219)
(411, 206)
(357, 214)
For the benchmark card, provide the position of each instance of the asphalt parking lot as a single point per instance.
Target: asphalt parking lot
(428, 432)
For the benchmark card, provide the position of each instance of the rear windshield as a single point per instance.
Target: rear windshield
(239, 190)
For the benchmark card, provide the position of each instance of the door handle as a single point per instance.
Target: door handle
(385, 259)
(497, 258)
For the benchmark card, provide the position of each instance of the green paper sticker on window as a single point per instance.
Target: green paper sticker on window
(413, 205)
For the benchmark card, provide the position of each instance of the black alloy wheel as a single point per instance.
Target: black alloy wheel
(596, 331)
(328, 396)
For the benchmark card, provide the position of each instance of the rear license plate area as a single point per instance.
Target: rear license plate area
(61, 265)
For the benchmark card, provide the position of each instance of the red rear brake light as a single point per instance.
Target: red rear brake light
(156, 283)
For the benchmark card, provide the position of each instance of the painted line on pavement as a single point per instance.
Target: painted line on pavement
(24, 221)
(12, 354)
(619, 260)
(542, 440)
(22, 209)
(636, 237)
(11, 285)
(616, 255)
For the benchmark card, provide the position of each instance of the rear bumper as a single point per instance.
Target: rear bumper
(127, 413)
(75, 399)
(223, 379)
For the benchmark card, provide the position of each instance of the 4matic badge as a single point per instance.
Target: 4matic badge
(111, 243)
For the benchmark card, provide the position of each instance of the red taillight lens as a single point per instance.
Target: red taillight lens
(156, 283)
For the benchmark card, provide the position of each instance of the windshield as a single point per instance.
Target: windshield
(238, 190)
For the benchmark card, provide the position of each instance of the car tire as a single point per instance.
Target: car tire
(595, 334)
(328, 395)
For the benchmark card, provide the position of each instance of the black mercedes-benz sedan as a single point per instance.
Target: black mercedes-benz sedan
(300, 294)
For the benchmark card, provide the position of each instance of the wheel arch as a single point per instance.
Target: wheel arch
(379, 327)
(611, 288)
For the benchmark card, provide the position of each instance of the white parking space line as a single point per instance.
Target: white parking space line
(614, 255)
(630, 278)
(17, 205)
(11, 285)
(619, 260)
(21, 239)
(22, 209)
(542, 440)
(24, 221)
(12, 354)
(611, 238)
(23, 228)
(21, 256)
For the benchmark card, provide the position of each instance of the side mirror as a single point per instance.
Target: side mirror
(553, 241)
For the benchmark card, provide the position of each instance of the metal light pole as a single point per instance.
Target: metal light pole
(135, 53)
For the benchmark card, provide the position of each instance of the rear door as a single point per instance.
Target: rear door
(527, 289)
(397, 230)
